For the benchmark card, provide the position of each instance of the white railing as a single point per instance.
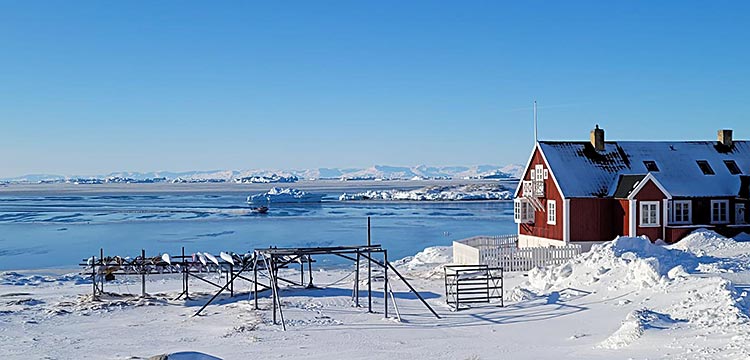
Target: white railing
(502, 251)
(497, 240)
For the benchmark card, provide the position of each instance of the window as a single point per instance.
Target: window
(523, 213)
(732, 167)
(539, 180)
(682, 212)
(719, 211)
(649, 213)
(539, 172)
(551, 212)
(651, 165)
(705, 167)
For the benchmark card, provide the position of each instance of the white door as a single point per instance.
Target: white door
(739, 214)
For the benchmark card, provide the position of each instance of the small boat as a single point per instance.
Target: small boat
(260, 209)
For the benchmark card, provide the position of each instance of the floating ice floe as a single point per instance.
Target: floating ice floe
(284, 195)
(436, 193)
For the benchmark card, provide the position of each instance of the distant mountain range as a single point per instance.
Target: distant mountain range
(377, 172)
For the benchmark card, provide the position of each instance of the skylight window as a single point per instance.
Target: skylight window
(651, 165)
(705, 167)
(732, 167)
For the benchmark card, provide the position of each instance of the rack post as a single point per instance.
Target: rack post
(101, 257)
(93, 276)
(385, 284)
(143, 273)
(255, 279)
(369, 267)
(355, 292)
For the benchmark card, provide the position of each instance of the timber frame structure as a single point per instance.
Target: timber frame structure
(263, 263)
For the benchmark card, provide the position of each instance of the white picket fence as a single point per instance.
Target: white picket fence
(502, 251)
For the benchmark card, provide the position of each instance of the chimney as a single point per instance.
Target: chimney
(725, 137)
(597, 138)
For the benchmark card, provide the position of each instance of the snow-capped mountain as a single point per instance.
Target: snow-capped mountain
(376, 172)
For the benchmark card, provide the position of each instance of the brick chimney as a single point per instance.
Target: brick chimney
(597, 138)
(725, 137)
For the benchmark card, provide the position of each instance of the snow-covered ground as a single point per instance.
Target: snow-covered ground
(436, 193)
(624, 299)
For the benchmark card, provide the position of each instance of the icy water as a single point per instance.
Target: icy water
(41, 231)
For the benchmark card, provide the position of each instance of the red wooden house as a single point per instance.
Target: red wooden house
(588, 192)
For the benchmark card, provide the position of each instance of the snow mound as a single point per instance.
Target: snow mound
(436, 193)
(636, 261)
(635, 325)
(428, 263)
(703, 242)
(284, 195)
(668, 285)
(17, 279)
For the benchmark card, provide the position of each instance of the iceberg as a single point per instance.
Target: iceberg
(436, 193)
(284, 195)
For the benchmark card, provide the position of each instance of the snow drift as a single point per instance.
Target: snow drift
(671, 285)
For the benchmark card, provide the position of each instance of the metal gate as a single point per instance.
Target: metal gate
(471, 284)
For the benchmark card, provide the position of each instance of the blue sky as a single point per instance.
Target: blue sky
(90, 87)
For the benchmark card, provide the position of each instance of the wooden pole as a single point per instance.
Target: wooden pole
(301, 272)
(272, 282)
(385, 284)
(369, 267)
(355, 294)
(101, 256)
(309, 272)
(185, 271)
(255, 279)
(231, 284)
(93, 276)
(143, 273)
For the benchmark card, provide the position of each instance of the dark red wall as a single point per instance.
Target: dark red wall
(650, 192)
(540, 227)
(591, 219)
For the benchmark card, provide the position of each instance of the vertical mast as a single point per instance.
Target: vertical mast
(536, 137)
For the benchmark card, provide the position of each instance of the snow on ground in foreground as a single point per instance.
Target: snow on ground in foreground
(436, 193)
(674, 291)
(624, 299)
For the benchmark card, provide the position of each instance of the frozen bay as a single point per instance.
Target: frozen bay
(57, 226)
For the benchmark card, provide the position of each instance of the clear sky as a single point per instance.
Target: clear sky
(89, 87)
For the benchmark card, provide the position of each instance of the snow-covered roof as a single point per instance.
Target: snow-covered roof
(580, 171)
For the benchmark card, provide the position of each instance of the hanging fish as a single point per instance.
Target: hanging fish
(212, 258)
(202, 258)
(166, 258)
(227, 257)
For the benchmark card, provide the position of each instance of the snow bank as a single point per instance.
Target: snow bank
(669, 280)
(637, 261)
(436, 193)
(635, 325)
(16, 279)
(704, 242)
(428, 263)
(284, 195)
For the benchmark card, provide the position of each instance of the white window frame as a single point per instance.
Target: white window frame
(678, 208)
(539, 169)
(718, 203)
(523, 212)
(551, 212)
(652, 209)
